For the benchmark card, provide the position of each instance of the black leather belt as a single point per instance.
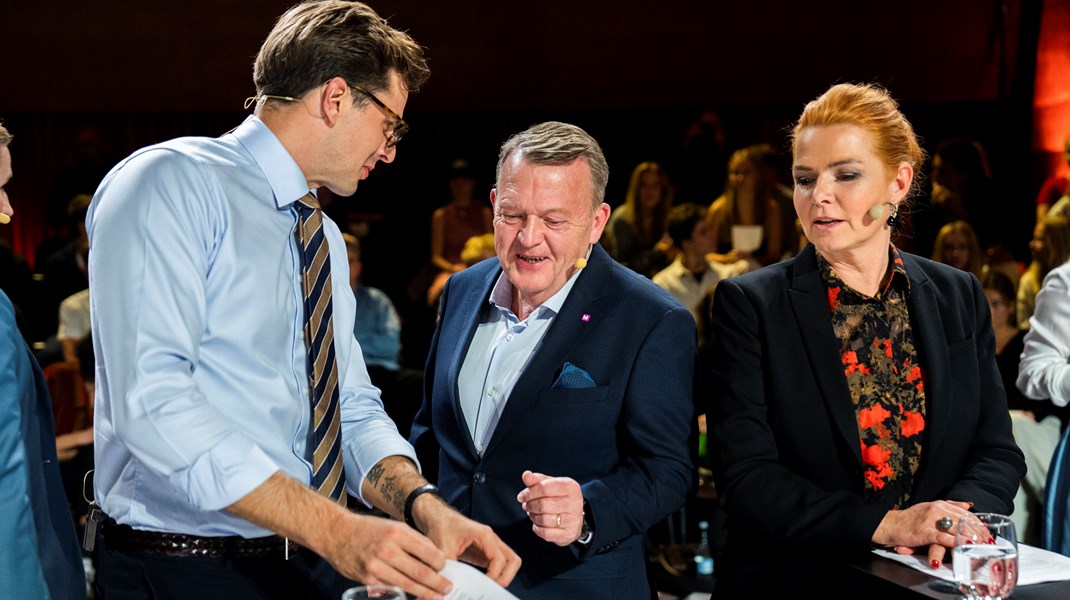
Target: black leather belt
(124, 538)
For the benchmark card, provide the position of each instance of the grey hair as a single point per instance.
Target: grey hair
(556, 143)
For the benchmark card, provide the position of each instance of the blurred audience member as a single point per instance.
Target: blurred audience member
(73, 323)
(692, 274)
(1044, 373)
(1050, 248)
(956, 245)
(92, 161)
(1036, 429)
(462, 217)
(477, 248)
(635, 235)
(65, 270)
(377, 328)
(774, 173)
(1054, 187)
(699, 166)
(963, 188)
(748, 200)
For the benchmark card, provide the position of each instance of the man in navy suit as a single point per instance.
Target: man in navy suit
(41, 555)
(559, 403)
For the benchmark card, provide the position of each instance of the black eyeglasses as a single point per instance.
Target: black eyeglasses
(398, 127)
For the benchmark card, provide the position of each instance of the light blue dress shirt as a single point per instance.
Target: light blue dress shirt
(202, 386)
(378, 328)
(501, 347)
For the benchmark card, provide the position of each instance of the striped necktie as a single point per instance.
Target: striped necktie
(327, 475)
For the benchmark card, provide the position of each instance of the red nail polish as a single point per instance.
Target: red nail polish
(934, 563)
(991, 540)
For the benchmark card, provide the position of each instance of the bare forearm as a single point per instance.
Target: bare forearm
(389, 483)
(291, 509)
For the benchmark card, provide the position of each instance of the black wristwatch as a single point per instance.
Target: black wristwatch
(413, 495)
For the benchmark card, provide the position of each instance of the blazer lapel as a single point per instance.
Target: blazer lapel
(809, 301)
(580, 315)
(927, 327)
(471, 306)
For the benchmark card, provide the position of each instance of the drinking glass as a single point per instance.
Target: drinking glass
(377, 592)
(985, 556)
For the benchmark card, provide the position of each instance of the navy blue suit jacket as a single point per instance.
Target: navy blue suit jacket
(788, 457)
(627, 440)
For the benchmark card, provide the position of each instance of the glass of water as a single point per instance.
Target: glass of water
(985, 557)
(376, 592)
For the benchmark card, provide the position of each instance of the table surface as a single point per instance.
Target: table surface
(903, 578)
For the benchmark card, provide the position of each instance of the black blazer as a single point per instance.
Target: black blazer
(788, 464)
(627, 439)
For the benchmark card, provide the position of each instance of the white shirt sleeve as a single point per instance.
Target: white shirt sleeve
(1044, 371)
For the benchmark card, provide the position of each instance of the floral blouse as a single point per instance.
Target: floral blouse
(880, 362)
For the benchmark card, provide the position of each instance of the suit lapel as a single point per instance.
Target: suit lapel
(927, 327)
(471, 306)
(809, 301)
(581, 314)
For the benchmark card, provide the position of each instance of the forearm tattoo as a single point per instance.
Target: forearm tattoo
(393, 494)
(376, 473)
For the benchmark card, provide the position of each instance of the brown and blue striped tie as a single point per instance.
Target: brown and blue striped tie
(327, 475)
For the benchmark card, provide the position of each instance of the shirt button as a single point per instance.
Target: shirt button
(509, 338)
(479, 477)
(490, 392)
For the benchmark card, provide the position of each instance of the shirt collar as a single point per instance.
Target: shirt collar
(287, 181)
(502, 295)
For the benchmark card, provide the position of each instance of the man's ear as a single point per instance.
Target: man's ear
(333, 98)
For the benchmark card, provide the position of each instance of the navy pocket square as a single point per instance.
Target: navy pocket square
(573, 377)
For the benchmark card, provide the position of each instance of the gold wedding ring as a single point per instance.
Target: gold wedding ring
(558, 521)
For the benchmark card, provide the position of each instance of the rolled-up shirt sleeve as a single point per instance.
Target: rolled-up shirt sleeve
(154, 231)
(1044, 370)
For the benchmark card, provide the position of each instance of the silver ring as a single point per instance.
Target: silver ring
(558, 521)
(944, 524)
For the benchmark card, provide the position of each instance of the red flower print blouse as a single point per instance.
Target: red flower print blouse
(887, 386)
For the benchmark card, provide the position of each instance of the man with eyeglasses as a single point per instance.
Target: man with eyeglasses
(234, 411)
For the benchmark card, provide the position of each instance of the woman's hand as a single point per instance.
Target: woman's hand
(911, 529)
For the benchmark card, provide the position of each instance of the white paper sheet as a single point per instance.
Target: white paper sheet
(746, 238)
(1035, 565)
(469, 583)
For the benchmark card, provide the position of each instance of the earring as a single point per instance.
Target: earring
(893, 218)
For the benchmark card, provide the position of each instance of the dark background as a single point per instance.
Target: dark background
(634, 74)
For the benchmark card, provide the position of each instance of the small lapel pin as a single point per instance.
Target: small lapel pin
(585, 318)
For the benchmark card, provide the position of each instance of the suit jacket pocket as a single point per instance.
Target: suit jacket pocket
(574, 395)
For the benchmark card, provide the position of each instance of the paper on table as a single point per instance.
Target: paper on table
(746, 238)
(1035, 565)
(469, 583)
